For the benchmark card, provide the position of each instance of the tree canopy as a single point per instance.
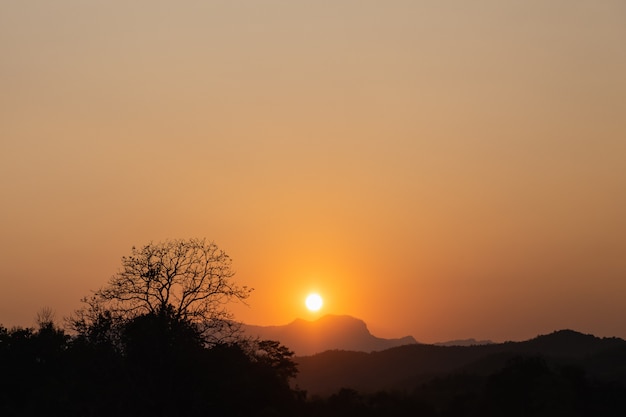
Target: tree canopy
(191, 279)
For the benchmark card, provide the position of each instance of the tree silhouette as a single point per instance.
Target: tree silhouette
(190, 279)
(159, 339)
(277, 357)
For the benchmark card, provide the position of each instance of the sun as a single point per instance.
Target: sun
(314, 302)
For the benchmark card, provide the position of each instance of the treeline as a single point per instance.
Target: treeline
(525, 386)
(156, 365)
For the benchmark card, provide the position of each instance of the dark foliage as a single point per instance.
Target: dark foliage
(524, 386)
(153, 365)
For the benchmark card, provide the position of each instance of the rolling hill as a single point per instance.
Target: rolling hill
(405, 367)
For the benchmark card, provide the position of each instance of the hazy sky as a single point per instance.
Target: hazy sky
(444, 169)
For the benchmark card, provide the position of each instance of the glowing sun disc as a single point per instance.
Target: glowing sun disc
(314, 302)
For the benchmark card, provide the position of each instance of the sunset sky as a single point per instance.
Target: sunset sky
(440, 169)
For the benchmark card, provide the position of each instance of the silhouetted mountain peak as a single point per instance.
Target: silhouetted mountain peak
(329, 320)
(571, 343)
(332, 324)
(566, 335)
(340, 319)
(330, 332)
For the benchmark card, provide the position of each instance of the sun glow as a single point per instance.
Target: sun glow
(314, 302)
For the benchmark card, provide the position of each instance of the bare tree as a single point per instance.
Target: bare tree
(45, 317)
(189, 279)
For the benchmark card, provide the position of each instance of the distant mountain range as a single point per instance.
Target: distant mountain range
(336, 352)
(403, 368)
(330, 332)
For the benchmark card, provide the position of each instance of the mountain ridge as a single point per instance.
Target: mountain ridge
(405, 367)
(329, 332)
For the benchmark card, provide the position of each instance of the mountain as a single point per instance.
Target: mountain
(404, 368)
(330, 332)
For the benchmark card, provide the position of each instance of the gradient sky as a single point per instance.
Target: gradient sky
(444, 169)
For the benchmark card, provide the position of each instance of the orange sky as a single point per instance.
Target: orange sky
(444, 169)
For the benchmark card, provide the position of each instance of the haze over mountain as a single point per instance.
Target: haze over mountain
(330, 332)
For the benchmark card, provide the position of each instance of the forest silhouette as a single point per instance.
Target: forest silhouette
(155, 365)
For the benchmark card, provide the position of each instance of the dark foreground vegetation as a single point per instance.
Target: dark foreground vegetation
(526, 386)
(157, 365)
